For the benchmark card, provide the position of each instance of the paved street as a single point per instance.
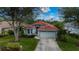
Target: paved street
(47, 45)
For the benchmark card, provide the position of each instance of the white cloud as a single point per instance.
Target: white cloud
(49, 17)
(52, 18)
(45, 9)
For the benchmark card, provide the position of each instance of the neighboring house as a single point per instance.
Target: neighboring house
(72, 28)
(42, 30)
(4, 26)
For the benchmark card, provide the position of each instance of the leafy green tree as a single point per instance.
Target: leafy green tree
(15, 16)
(29, 21)
(58, 24)
(70, 14)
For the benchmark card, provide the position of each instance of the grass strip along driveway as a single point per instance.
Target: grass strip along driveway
(28, 44)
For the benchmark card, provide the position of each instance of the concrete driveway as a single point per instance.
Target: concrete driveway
(47, 45)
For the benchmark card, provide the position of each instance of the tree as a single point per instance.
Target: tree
(58, 24)
(30, 21)
(70, 14)
(15, 16)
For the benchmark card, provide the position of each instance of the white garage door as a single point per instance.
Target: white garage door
(48, 35)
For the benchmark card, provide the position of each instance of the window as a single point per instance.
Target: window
(31, 30)
(28, 31)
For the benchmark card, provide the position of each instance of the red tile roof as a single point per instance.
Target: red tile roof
(32, 25)
(39, 22)
(46, 26)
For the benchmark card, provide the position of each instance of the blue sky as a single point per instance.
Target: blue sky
(49, 13)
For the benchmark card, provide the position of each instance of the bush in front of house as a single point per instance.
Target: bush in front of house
(74, 35)
(2, 35)
(21, 31)
(30, 36)
(65, 37)
(10, 32)
(61, 36)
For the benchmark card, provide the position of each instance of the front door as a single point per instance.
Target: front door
(37, 30)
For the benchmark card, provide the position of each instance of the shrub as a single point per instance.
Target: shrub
(61, 36)
(21, 31)
(62, 32)
(1, 35)
(77, 43)
(27, 36)
(74, 35)
(10, 32)
(31, 36)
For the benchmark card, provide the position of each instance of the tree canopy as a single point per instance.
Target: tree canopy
(70, 13)
(16, 15)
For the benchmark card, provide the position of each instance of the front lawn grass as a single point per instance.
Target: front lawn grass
(6, 38)
(69, 42)
(68, 46)
(28, 44)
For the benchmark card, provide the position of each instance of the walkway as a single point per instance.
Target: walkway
(47, 45)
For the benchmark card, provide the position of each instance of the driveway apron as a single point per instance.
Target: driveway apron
(47, 45)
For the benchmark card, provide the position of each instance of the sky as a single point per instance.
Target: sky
(49, 13)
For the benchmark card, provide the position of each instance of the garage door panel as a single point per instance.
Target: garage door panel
(48, 35)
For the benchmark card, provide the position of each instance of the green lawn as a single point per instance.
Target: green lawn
(69, 43)
(68, 46)
(28, 44)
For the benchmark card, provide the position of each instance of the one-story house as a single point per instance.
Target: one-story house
(4, 26)
(42, 30)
